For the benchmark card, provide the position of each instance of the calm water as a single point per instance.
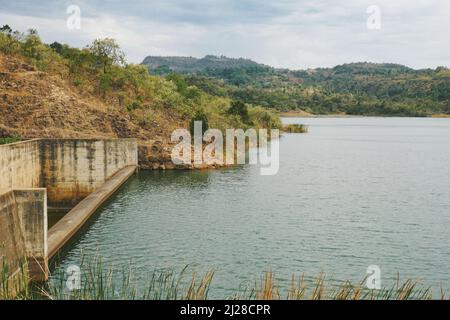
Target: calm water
(352, 193)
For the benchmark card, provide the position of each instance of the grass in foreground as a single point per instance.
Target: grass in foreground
(106, 283)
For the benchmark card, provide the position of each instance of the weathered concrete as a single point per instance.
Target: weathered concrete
(67, 171)
(20, 165)
(72, 169)
(23, 231)
(12, 243)
(31, 207)
(62, 231)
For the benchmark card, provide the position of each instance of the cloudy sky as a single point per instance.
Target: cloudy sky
(296, 34)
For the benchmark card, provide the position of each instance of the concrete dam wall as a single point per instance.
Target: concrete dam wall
(76, 175)
(69, 169)
(23, 231)
(20, 165)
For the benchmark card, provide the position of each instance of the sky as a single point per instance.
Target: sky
(295, 34)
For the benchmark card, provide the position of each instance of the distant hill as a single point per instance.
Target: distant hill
(162, 65)
(363, 88)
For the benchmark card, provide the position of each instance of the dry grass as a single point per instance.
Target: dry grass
(268, 289)
(106, 283)
(14, 283)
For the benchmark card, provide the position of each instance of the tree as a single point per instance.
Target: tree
(179, 81)
(199, 116)
(32, 45)
(108, 53)
(6, 29)
(6, 38)
(58, 47)
(240, 109)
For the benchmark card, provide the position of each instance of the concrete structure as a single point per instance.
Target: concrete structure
(20, 165)
(31, 206)
(58, 173)
(12, 243)
(61, 232)
(69, 169)
(23, 231)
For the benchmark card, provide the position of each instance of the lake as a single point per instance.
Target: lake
(353, 192)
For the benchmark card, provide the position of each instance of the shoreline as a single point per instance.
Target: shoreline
(293, 114)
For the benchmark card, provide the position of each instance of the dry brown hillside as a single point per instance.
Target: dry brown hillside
(37, 104)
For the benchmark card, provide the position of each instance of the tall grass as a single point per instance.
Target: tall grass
(14, 281)
(268, 289)
(99, 282)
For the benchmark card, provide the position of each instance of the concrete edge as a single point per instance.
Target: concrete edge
(71, 223)
(26, 140)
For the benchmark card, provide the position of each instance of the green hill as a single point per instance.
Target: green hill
(164, 65)
(361, 88)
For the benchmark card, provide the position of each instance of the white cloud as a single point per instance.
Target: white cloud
(294, 34)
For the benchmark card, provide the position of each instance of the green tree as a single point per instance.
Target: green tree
(31, 45)
(6, 40)
(108, 53)
(179, 81)
(58, 47)
(240, 109)
(6, 29)
(200, 115)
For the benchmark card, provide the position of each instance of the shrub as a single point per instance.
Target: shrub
(199, 116)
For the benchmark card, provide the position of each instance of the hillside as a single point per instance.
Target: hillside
(58, 91)
(38, 104)
(356, 88)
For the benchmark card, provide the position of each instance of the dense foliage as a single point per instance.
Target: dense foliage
(356, 88)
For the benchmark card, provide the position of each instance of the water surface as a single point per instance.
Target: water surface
(353, 192)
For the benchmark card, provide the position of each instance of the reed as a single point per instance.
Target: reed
(14, 281)
(100, 282)
(319, 290)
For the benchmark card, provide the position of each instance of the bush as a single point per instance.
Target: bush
(295, 128)
(199, 116)
(240, 109)
(133, 106)
(8, 140)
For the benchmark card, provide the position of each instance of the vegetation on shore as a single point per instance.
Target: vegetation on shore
(295, 128)
(100, 74)
(101, 282)
(7, 140)
(355, 89)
